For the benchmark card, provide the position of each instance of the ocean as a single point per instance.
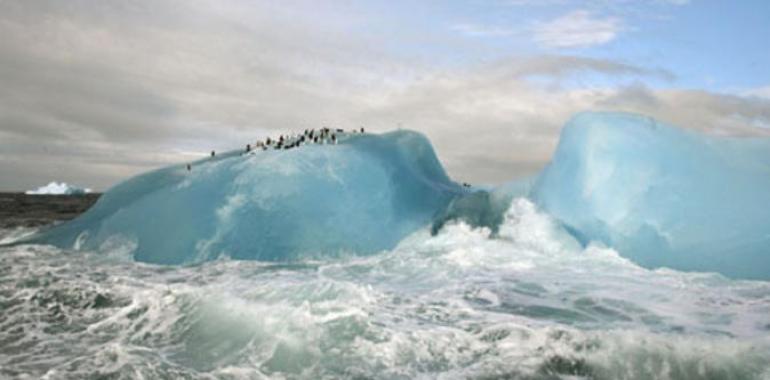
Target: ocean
(528, 302)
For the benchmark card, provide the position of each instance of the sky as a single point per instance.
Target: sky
(93, 92)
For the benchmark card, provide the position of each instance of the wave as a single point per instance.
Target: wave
(530, 303)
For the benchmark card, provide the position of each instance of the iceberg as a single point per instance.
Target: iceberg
(662, 196)
(56, 188)
(361, 196)
(659, 195)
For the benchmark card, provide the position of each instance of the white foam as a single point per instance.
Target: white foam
(10, 235)
(529, 303)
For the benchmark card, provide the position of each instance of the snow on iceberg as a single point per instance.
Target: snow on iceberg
(56, 188)
(361, 196)
(662, 196)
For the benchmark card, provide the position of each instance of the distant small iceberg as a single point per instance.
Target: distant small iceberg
(57, 188)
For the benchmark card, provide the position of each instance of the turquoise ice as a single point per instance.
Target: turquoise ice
(359, 196)
(662, 196)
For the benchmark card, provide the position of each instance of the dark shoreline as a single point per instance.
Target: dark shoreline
(23, 210)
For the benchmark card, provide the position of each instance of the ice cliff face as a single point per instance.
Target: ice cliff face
(662, 196)
(360, 196)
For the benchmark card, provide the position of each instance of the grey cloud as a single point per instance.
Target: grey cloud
(562, 66)
(712, 113)
(144, 76)
(92, 92)
(489, 127)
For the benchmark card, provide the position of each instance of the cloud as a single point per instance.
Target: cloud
(676, 2)
(761, 92)
(533, 2)
(720, 114)
(92, 92)
(560, 66)
(133, 79)
(491, 123)
(475, 30)
(577, 29)
(595, 3)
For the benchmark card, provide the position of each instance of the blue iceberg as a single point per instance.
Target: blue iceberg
(361, 196)
(662, 196)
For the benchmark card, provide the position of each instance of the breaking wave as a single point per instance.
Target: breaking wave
(528, 303)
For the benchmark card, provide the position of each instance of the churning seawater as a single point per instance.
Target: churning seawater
(528, 304)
